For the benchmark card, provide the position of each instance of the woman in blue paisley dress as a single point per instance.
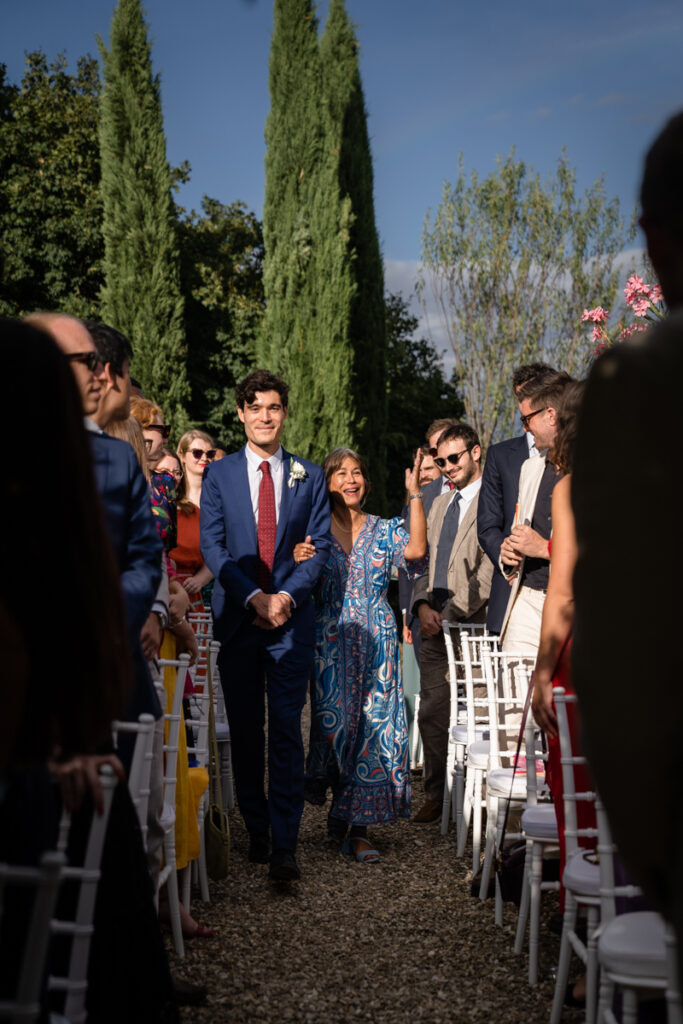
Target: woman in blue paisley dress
(359, 735)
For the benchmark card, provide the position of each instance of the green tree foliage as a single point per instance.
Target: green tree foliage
(50, 206)
(418, 392)
(221, 264)
(512, 261)
(142, 295)
(361, 313)
(306, 237)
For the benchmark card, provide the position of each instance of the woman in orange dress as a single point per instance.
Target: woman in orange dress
(195, 451)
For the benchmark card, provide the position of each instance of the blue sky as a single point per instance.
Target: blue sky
(440, 76)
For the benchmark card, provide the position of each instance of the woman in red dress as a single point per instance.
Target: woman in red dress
(553, 662)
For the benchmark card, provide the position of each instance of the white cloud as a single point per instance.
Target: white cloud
(401, 276)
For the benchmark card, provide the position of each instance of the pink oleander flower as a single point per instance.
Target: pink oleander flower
(597, 315)
(599, 349)
(635, 286)
(641, 307)
(656, 293)
(598, 334)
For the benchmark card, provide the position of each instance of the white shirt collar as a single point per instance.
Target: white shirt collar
(467, 493)
(256, 460)
(92, 426)
(531, 443)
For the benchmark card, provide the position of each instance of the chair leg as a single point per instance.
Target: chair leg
(476, 821)
(489, 846)
(468, 799)
(500, 821)
(447, 793)
(187, 886)
(535, 908)
(458, 786)
(606, 997)
(630, 1011)
(592, 964)
(565, 957)
(523, 915)
(174, 907)
(673, 995)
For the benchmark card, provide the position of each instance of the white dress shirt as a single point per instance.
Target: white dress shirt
(255, 475)
(467, 496)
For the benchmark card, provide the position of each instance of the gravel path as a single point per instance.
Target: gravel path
(399, 941)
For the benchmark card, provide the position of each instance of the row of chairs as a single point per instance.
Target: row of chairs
(46, 878)
(488, 698)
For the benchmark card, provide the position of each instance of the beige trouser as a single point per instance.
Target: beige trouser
(523, 629)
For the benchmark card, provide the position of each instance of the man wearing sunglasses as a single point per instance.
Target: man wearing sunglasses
(456, 588)
(499, 487)
(524, 555)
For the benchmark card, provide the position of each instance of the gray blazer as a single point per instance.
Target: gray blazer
(470, 570)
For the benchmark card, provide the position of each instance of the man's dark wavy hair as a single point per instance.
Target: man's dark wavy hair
(260, 380)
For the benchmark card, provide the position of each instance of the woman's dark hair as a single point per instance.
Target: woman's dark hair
(334, 460)
(562, 452)
(72, 657)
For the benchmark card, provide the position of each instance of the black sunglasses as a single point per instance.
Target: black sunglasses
(164, 431)
(454, 458)
(89, 359)
(198, 453)
(526, 420)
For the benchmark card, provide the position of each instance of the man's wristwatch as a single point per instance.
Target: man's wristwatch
(162, 617)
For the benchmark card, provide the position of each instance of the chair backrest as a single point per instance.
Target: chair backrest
(507, 683)
(200, 707)
(536, 760)
(569, 759)
(141, 764)
(45, 879)
(609, 890)
(81, 928)
(173, 718)
(476, 697)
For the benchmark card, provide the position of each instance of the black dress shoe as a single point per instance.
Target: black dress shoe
(259, 848)
(283, 866)
(186, 993)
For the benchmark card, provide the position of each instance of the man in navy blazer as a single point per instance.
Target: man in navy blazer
(263, 612)
(127, 509)
(498, 496)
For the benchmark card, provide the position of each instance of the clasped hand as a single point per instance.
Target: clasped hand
(272, 610)
(430, 620)
(523, 542)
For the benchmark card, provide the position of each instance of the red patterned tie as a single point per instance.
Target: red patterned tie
(267, 528)
(450, 485)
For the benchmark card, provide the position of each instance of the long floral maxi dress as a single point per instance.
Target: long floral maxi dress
(359, 735)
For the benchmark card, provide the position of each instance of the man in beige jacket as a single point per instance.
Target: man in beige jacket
(456, 587)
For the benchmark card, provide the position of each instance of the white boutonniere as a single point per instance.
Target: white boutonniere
(296, 473)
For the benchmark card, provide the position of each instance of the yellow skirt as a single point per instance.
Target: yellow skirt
(191, 783)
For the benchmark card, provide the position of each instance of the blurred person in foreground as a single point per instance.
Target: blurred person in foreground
(629, 605)
(64, 716)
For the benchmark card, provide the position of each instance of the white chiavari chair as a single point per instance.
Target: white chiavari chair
(636, 951)
(24, 1003)
(539, 828)
(461, 730)
(173, 718)
(141, 764)
(75, 983)
(581, 877)
(507, 684)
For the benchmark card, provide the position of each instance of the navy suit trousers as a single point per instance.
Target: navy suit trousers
(254, 664)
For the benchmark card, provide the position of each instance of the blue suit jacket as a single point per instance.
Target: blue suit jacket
(230, 548)
(128, 515)
(497, 500)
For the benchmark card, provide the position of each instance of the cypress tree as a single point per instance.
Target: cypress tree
(142, 294)
(349, 145)
(307, 243)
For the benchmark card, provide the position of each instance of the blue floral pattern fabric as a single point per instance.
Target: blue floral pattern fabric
(359, 735)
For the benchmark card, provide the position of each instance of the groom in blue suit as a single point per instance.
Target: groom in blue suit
(256, 505)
